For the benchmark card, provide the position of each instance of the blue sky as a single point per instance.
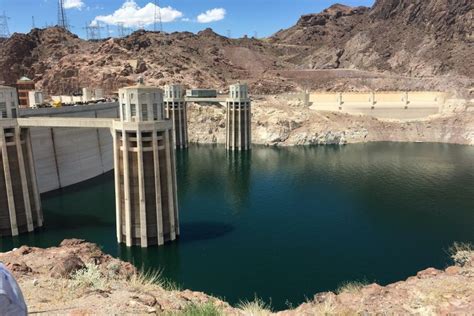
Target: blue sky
(239, 17)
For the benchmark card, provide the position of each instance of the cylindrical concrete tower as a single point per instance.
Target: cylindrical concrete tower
(145, 172)
(175, 110)
(238, 129)
(20, 204)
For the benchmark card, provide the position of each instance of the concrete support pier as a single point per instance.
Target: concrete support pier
(20, 204)
(145, 172)
(175, 110)
(238, 127)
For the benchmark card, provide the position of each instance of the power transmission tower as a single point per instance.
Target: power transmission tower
(107, 29)
(87, 28)
(93, 31)
(33, 22)
(157, 17)
(62, 18)
(229, 34)
(121, 29)
(4, 30)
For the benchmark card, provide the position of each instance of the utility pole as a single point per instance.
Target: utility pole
(62, 18)
(4, 30)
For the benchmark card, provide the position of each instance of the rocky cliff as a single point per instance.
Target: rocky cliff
(77, 278)
(394, 42)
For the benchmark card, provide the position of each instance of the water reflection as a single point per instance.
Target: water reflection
(239, 178)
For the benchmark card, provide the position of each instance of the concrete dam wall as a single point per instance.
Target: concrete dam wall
(386, 105)
(66, 156)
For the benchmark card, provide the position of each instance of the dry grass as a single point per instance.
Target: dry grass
(147, 281)
(257, 307)
(461, 253)
(351, 287)
(207, 309)
(328, 307)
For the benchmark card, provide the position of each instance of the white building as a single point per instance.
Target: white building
(8, 102)
(89, 94)
(36, 98)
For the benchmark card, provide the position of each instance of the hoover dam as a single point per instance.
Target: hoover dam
(66, 156)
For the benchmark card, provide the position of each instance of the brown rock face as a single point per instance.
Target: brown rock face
(414, 37)
(67, 266)
(397, 37)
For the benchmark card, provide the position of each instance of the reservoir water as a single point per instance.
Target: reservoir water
(286, 223)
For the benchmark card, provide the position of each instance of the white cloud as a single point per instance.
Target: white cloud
(131, 15)
(73, 4)
(212, 15)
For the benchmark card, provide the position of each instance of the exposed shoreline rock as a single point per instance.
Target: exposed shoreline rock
(275, 122)
(111, 286)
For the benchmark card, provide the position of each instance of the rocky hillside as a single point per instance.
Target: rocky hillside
(389, 46)
(410, 37)
(77, 278)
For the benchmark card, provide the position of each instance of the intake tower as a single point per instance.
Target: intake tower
(20, 204)
(238, 127)
(145, 172)
(175, 110)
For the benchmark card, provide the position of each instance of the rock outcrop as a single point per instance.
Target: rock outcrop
(106, 286)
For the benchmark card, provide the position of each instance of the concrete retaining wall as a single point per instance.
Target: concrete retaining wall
(66, 156)
(388, 105)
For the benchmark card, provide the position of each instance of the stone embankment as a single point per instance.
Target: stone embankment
(77, 278)
(279, 122)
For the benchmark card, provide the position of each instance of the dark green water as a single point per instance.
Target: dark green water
(284, 224)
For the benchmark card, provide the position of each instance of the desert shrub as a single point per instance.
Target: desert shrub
(207, 309)
(461, 253)
(89, 277)
(257, 307)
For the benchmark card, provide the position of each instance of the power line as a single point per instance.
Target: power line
(62, 17)
(4, 30)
